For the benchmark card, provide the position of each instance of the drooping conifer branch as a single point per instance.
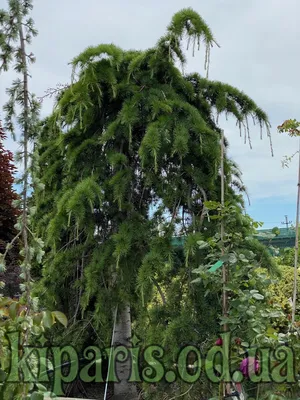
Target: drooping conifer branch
(140, 134)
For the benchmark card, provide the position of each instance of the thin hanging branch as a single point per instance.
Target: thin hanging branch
(187, 23)
(163, 298)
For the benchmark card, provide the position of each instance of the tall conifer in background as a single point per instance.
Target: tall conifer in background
(21, 120)
(21, 115)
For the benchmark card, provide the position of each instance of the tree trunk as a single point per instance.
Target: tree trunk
(124, 390)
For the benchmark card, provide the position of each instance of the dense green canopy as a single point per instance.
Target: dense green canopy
(128, 157)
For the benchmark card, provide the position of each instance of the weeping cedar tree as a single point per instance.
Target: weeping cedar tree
(8, 219)
(131, 141)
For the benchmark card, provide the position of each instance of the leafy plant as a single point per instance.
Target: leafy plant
(249, 311)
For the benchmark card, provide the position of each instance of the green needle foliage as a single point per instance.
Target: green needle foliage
(16, 32)
(126, 160)
(132, 140)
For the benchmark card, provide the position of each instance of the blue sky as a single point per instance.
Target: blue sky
(272, 212)
(259, 55)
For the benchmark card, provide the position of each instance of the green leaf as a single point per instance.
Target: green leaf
(37, 319)
(256, 330)
(41, 388)
(225, 258)
(3, 375)
(197, 280)
(235, 376)
(258, 296)
(4, 302)
(270, 331)
(232, 258)
(198, 270)
(48, 319)
(243, 258)
(245, 344)
(39, 255)
(50, 395)
(37, 396)
(59, 316)
(202, 244)
(209, 365)
(211, 205)
(13, 311)
(218, 368)
(275, 314)
(215, 217)
(32, 210)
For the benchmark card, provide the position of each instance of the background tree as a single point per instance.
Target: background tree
(16, 31)
(22, 316)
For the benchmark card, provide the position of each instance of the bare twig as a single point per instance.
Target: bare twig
(183, 394)
(163, 298)
(9, 246)
(53, 91)
(80, 290)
